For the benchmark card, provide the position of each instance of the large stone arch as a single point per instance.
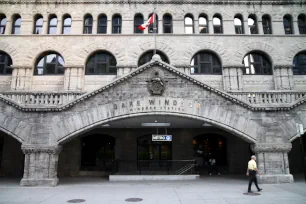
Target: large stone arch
(11, 51)
(293, 50)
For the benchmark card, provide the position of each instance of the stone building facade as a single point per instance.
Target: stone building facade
(73, 68)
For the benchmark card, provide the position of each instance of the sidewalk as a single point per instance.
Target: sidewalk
(208, 190)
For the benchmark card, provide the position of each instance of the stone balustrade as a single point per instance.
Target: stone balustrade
(42, 99)
(265, 99)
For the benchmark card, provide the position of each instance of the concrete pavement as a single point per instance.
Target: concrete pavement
(208, 190)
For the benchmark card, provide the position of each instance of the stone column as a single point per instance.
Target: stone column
(210, 26)
(246, 27)
(45, 26)
(8, 27)
(260, 28)
(59, 26)
(283, 76)
(272, 162)
(196, 26)
(109, 26)
(295, 28)
(40, 166)
(232, 76)
(74, 76)
(21, 78)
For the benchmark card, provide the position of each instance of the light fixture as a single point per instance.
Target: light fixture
(105, 125)
(206, 125)
(155, 124)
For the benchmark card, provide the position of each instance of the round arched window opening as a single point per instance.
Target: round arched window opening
(147, 56)
(299, 64)
(50, 63)
(5, 64)
(205, 62)
(101, 63)
(256, 63)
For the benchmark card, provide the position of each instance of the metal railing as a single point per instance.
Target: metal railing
(154, 167)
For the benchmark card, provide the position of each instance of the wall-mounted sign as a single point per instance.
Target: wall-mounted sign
(162, 138)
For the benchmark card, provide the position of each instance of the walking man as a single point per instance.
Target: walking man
(251, 171)
(212, 166)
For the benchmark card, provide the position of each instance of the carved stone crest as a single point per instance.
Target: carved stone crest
(156, 85)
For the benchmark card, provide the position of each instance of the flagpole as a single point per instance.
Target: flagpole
(154, 29)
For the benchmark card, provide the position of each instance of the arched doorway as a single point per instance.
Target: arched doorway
(297, 159)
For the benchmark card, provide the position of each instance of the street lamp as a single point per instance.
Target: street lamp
(300, 131)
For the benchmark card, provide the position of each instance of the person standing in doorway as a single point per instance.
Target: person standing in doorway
(251, 172)
(213, 166)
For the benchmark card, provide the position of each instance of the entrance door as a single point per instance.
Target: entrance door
(149, 150)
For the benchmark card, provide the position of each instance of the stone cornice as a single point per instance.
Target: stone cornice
(266, 147)
(233, 66)
(283, 66)
(29, 149)
(243, 2)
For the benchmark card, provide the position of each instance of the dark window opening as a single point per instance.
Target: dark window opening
(52, 25)
(67, 25)
(138, 20)
(205, 63)
(257, 64)
(299, 64)
(288, 24)
(117, 24)
(302, 24)
(38, 27)
(16, 24)
(252, 22)
(203, 24)
(50, 64)
(88, 24)
(5, 64)
(102, 24)
(147, 57)
(217, 23)
(167, 23)
(2, 24)
(238, 22)
(266, 25)
(154, 25)
(101, 63)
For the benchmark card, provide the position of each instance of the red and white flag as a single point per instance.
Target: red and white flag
(146, 25)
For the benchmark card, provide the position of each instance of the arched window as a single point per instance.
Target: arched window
(288, 24)
(102, 24)
(50, 63)
(189, 24)
(39, 21)
(302, 23)
(5, 64)
(203, 23)
(138, 20)
(116, 24)
(217, 22)
(252, 22)
(238, 22)
(52, 24)
(266, 24)
(257, 63)
(167, 23)
(16, 24)
(87, 24)
(205, 62)
(66, 24)
(299, 64)
(151, 26)
(101, 63)
(147, 56)
(2, 23)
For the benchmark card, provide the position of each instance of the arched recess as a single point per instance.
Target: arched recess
(257, 63)
(250, 137)
(147, 56)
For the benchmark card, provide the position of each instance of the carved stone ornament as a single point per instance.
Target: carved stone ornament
(266, 147)
(156, 85)
(29, 149)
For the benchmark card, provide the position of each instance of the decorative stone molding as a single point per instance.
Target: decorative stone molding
(233, 66)
(29, 149)
(266, 147)
(246, 2)
(21, 67)
(283, 66)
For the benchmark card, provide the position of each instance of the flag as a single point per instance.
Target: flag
(146, 25)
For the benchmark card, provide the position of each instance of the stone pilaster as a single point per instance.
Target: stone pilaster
(21, 78)
(74, 77)
(272, 160)
(232, 77)
(283, 76)
(40, 166)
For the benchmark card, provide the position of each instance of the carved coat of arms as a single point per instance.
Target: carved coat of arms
(156, 86)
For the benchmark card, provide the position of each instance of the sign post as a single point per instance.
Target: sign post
(300, 131)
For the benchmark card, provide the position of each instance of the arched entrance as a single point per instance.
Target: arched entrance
(296, 158)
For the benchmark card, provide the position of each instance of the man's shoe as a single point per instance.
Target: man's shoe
(260, 189)
(250, 191)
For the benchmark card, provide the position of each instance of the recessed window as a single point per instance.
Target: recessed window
(5, 64)
(203, 24)
(299, 64)
(266, 24)
(302, 23)
(167, 23)
(257, 64)
(147, 57)
(288, 24)
(50, 64)
(205, 63)
(38, 26)
(102, 24)
(52, 24)
(238, 22)
(252, 23)
(2, 24)
(155, 24)
(101, 63)
(189, 24)
(117, 20)
(138, 20)
(16, 24)
(217, 23)
(67, 24)
(88, 24)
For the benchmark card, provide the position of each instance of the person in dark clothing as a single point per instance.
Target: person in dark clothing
(212, 166)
